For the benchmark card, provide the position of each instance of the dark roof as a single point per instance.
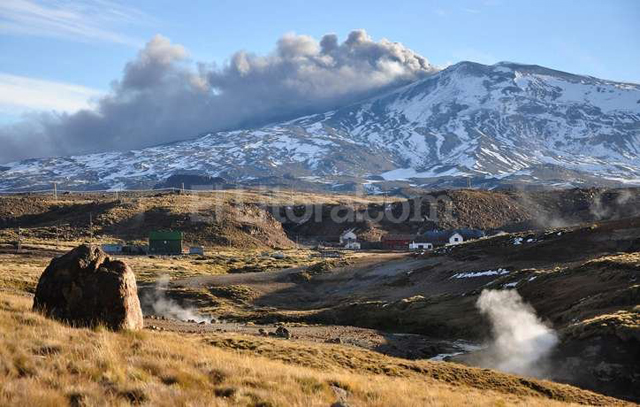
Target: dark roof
(444, 235)
(421, 239)
(471, 233)
(437, 235)
(398, 237)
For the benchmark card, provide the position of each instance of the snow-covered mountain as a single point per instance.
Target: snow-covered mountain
(501, 123)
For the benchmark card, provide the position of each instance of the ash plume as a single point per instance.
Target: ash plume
(158, 302)
(163, 96)
(521, 343)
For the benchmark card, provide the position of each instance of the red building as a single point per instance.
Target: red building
(397, 242)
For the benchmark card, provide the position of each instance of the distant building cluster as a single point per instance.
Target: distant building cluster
(170, 242)
(422, 241)
(161, 242)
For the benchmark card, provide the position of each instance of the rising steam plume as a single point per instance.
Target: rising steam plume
(521, 343)
(158, 302)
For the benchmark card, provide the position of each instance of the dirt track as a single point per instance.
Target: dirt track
(373, 259)
(407, 346)
(278, 289)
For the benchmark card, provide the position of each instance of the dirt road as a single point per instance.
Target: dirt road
(407, 346)
(278, 289)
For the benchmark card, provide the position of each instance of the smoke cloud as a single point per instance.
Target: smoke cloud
(160, 305)
(521, 342)
(163, 96)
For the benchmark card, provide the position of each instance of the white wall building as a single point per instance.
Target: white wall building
(456, 238)
(352, 246)
(420, 246)
(348, 236)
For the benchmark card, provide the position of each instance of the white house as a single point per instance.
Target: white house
(348, 236)
(352, 246)
(420, 246)
(456, 238)
(450, 237)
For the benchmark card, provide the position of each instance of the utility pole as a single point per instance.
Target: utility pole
(90, 228)
(19, 239)
(55, 191)
(182, 190)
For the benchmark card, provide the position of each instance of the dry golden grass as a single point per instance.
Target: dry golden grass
(281, 196)
(624, 323)
(20, 271)
(43, 362)
(216, 261)
(184, 202)
(215, 219)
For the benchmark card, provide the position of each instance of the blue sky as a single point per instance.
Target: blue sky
(58, 54)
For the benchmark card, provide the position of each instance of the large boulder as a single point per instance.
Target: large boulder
(87, 288)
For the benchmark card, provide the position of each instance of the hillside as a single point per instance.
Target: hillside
(492, 211)
(573, 256)
(582, 281)
(211, 221)
(264, 218)
(47, 363)
(501, 124)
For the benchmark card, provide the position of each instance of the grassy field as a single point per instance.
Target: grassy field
(46, 363)
(20, 271)
(583, 283)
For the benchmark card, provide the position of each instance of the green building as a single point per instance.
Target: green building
(165, 242)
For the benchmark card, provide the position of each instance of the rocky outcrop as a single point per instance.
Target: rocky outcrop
(283, 332)
(87, 288)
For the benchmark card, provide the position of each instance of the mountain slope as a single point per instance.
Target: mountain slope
(502, 122)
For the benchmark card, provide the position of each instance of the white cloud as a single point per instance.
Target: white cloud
(80, 20)
(22, 94)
